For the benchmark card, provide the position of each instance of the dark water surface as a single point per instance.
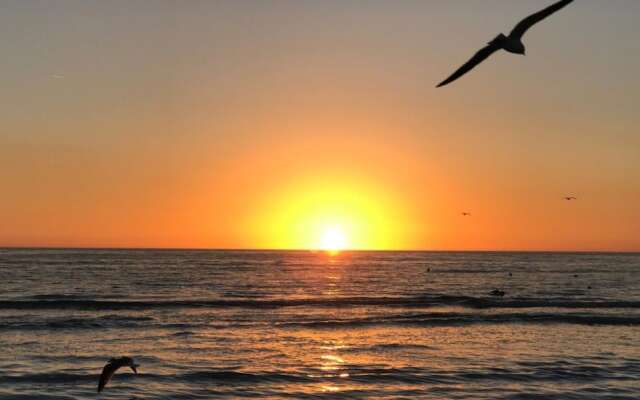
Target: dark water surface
(396, 325)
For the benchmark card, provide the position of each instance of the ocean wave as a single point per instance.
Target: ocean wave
(33, 395)
(234, 376)
(198, 376)
(49, 378)
(434, 319)
(75, 323)
(183, 334)
(545, 372)
(64, 302)
(457, 319)
(61, 296)
(388, 347)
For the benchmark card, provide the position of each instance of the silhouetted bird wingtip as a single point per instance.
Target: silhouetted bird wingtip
(112, 366)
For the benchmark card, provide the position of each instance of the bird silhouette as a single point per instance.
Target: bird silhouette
(512, 43)
(112, 366)
(497, 293)
(569, 198)
(465, 214)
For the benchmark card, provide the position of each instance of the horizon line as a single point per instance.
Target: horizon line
(240, 249)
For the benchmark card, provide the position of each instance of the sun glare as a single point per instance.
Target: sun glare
(333, 240)
(330, 215)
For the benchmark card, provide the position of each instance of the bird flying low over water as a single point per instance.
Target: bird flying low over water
(465, 214)
(112, 366)
(512, 43)
(569, 198)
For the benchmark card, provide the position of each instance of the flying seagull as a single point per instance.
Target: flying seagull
(466, 214)
(512, 43)
(569, 198)
(112, 366)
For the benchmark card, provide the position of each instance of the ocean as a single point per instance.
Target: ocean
(308, 325)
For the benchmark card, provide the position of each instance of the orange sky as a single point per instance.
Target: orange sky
(255, 125)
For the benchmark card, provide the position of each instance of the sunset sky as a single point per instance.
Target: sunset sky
(268, 124)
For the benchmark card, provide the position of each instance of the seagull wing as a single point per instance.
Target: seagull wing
(524, 25)
(107, 373)
(477, 58)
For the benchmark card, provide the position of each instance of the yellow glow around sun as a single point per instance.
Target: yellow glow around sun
(330, 216)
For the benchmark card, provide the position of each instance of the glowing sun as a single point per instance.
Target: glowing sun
(331, 215)
(333, 239)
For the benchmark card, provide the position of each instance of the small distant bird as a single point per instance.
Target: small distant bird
(510, 274)
(497, 293)
(112, 366)
(569, 198)
(466, 214)
(512, 43)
